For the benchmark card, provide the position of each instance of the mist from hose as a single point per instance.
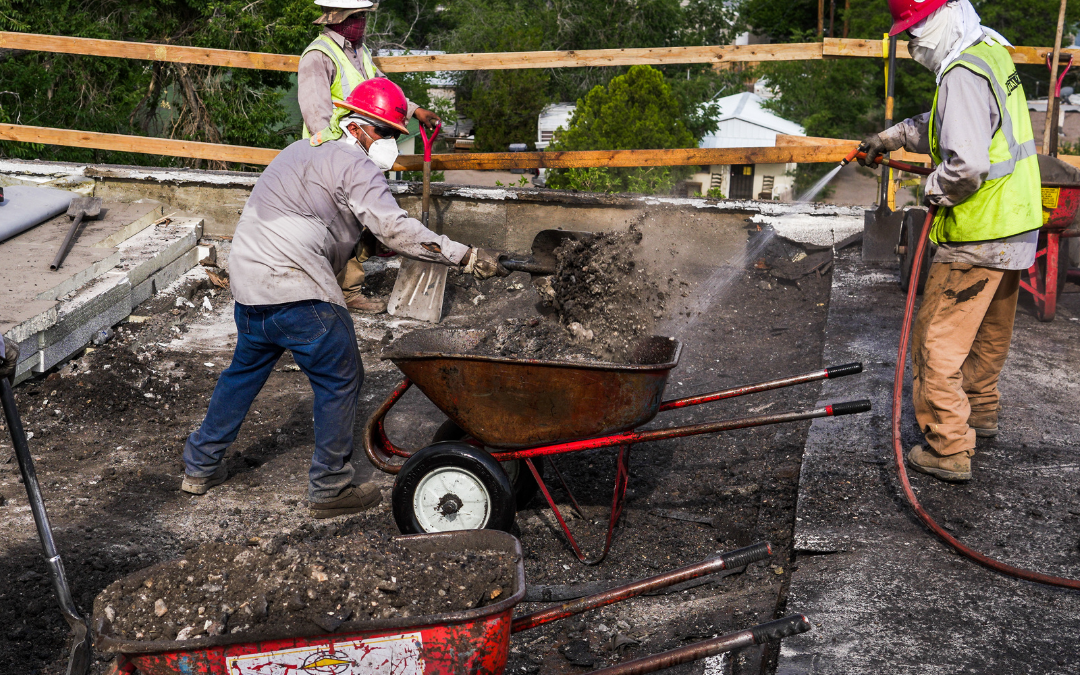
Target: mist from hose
(817, 187)
(715, 287)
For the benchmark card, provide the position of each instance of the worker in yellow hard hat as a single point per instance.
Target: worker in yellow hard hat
(986, 187)
(330, 68)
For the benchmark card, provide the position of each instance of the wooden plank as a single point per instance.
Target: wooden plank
(601, 57)
(400, 64)
(831, 152)
(148, 51)
(141, 144)
(627, 158)
(836, 47)
(785, 140)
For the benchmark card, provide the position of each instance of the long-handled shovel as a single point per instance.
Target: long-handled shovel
(79, 662)
(419, 288)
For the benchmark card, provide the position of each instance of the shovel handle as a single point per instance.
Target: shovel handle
(37, 505)
(529, 265)
(429, 141)
(62, 253)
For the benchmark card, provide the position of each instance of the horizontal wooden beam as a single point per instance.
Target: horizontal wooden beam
(627, 158)
(148, 51)
(399, 64)
(141, 144)
(832, 152)
(838, 47)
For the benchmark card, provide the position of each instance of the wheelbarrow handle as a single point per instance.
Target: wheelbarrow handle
(725, 561)
(774, 630)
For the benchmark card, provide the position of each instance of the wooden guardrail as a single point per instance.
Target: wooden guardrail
(810, 150)
(830, 48)
(801, 151)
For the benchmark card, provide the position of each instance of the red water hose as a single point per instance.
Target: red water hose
(898, 390)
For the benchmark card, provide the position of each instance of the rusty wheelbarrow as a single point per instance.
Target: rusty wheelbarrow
(507, 414)
(467, 641)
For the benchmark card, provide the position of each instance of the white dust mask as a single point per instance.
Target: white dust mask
(383, 152)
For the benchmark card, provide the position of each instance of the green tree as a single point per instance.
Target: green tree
(243, 107)
(634, 111)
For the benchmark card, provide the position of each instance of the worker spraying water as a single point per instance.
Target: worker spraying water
(985, 188)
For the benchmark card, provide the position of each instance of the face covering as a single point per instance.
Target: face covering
(383, 152)
(352, 28)
(939, 39)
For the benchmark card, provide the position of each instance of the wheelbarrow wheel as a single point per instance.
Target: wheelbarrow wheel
(525, 487)
(452, 486)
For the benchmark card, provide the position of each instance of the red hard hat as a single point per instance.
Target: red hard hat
(381, 100)
(907, 13)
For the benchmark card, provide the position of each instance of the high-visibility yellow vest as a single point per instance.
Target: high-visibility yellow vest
(1009, 201)
(346, 76)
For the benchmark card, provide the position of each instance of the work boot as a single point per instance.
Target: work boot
(984, 424)
(362, 303)
(353, 499)
(199, 486)
(951, 468)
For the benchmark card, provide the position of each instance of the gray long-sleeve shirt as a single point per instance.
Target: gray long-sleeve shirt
(304, 217)
(313, 79)
(969, 118)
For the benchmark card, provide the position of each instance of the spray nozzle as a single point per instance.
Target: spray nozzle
(852, 155)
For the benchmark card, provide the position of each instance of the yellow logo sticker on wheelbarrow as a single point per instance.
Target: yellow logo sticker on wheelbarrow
(388, 655)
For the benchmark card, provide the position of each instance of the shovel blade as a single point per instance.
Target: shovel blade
(418, 291)
(881, 232)
(546, 242)
(90, 206)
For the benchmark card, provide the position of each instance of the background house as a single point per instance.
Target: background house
(743, 123)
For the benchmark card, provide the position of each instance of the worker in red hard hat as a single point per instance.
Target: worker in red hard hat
(330, 68)
(986, 188)
(300, 226)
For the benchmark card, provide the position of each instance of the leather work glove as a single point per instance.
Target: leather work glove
(483, 264)
(8, 360)
(874, 147)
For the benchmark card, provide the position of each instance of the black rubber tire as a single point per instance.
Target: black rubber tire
(525, 487)
(909, 238)
(483, 466)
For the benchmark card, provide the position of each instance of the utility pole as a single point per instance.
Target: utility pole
(820, 17)
(832, 17)
(847, 11)
(1053, 78)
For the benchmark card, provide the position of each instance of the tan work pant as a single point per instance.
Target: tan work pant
(958, 348)
(351, 278)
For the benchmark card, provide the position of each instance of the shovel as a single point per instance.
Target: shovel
(80, 208)
(543, 260)
(419, 287)
(79, 661)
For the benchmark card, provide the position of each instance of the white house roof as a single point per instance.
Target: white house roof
(743, 123)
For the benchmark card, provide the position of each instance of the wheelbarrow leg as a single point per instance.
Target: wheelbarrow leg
(1050, 281)
(618, 499)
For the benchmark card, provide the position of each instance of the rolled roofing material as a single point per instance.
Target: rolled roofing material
(25, 206)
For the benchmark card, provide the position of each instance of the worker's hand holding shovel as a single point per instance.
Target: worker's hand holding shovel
(427, 118)
(483, 264)
(874, 147)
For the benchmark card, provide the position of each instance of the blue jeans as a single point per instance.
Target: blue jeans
(321, 338)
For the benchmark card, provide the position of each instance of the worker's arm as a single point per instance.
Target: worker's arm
(313, 82)
(912, 135)
(370, 199)
(969, 117)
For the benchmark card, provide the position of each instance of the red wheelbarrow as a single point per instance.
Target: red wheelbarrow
(1047, 276)
(507, 414)
(468, 641)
